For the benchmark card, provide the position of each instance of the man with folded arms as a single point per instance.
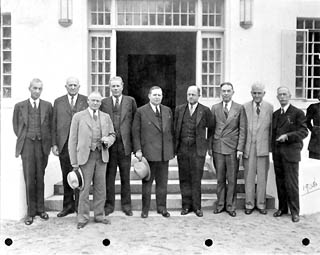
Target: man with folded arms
(91, 134)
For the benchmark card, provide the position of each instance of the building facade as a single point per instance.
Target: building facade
(170, 43)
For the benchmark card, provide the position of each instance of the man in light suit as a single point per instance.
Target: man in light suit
(121, 109)
(32, 125)
(193, 125)
(227, 147)
(64, 108)
(152, 131)
(91, 134)
(257, 148)
(289, 128)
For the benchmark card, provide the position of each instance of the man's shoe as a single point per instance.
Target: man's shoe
(216, 211)
(278, 213)
(144, 215)
(262, 211)
(199, 213)
(81, 224)
(248, 211)
(295, 218)
(28, 220)
(232, 213)
(65, 212)
(164, 213)
(107, 212)
(103, 221)
(128, 212)
(44, 216)
(185, 211)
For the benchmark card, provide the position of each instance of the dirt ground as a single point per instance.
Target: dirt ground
(244, 234)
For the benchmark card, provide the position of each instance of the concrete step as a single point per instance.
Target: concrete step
(207, 186)
(54, 203)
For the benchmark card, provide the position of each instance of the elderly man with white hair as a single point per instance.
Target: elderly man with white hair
(91, 134)
(257, 149)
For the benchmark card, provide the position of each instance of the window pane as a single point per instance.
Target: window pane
(6, 92)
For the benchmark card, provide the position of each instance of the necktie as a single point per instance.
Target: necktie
(191, 109)
(117, 105)
(282, 111)
(258, 108)
(72, 103)
(34, 105)
(94, 115)
(157, 112)
(225, 110)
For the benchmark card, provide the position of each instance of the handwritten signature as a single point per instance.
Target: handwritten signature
(310, 187)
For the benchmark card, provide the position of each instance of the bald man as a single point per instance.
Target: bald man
(289, 128)
(193, 126)
(64, 108)
(91, 135)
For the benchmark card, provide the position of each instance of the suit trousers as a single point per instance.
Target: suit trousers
(255, 166)
(287, 180)
(70, 196)
(93, 171)
(118, 158)
(159, 172)
(227, 169)
(34, 163)
(190, 175)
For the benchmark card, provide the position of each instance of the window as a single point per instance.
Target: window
(6, 63)
(212, 13)
(100, 11)
(307, 58)
(211, 66)
(100, 64)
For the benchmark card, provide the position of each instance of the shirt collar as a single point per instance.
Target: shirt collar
(91, 112)
(255, 104)
(285, 108)
(74, 98)
(228, 106)
(194, 106)
(114, 99)
(154, 107)
(37, 102)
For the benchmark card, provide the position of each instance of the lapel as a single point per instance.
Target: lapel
(87, 118)
(231, 113)
(281, 120)
(79, 103)
(199, 114)
(262, 117)
(221, 113)
(249, 112)
(123, 107)
(67, 106)
(183, 110)
(24, 111)
(164, 123)
(42, 110)
(152, 116)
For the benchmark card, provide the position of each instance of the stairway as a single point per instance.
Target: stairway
(209, 188)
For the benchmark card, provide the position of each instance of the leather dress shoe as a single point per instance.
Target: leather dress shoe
(216, 211)
(44, 215)
(199, 213)
(128, 212)
(65, 212)
(295, 218)
(107, 212)
(28, 220)
(164, 213)
(278, 213)
(81, 224)
(262, 211)
(185, 211)
(248, 211)
(144, 215)
(103, 221)
(232, 213)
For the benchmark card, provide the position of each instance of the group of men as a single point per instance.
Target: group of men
(99, 135)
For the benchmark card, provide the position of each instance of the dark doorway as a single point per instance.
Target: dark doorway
(145, 71)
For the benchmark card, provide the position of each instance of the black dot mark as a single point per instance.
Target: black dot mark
(208, 242)
(106, 242)
(8, 241)
(305, 241)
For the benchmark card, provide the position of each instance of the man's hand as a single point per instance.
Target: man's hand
(75, 168)
(139, 155)
(55, 150)
(210, 152)
(282, 138)
(104, 141)
(239, 154)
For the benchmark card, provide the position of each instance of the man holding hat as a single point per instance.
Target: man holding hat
(91, 134)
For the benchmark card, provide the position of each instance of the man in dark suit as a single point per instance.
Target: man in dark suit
(91, 134)
(288, 130)
(152, 132)
(192, 124)
(63, 109)
(313, 123)
(121, 109)
(32, 125)
(227, 147)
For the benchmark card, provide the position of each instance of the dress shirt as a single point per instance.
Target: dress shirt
(194, 106)
(74, 99)
(285, 108)
(154, 108)
(114, 100)
(37, 102)
(91, 112)
(228, 105)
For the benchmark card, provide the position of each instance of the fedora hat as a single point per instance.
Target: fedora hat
(75, 179)
(141, 168)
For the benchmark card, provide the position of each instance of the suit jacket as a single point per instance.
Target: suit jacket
(229, 134)
(204, 127)
(20, 124)
(264, 128)
(313, 113)
(147, 133)
(62, 116)
(128, 110)
(81, 136)
(294, 125)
